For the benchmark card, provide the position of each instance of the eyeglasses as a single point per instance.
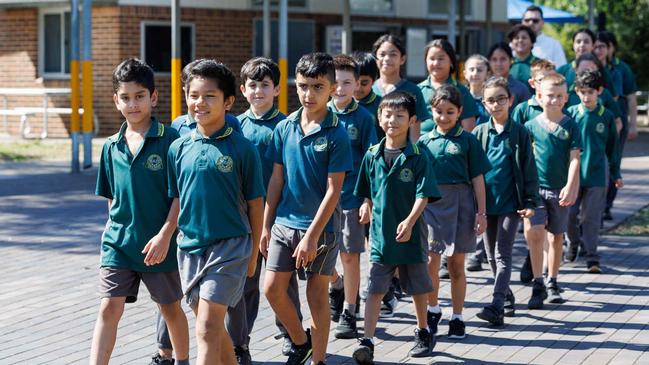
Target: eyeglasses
(532, 20)
(501, 100)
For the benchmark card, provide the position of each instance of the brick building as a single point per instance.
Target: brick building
(34, 39)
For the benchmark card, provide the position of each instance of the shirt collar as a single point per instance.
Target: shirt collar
(352, 106)
(272, 113)
(224, 132)
(189, 121)
(532, 101)
(410, 150)
(599, 109)
(156, 129)
(454, 132)
(528, 60)
(428, 82)
(369, 98)
(492, 127)
(330, 120)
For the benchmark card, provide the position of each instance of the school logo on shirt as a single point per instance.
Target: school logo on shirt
(453, 149)
(320, 144)
(406, 175)
(224, 164)
(564, 134)
(352, 132)
(600, 128)
(154, 163)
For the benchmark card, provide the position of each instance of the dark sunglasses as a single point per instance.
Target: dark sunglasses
(532, 20)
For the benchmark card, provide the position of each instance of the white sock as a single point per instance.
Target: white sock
(458, 316)
(435, 309)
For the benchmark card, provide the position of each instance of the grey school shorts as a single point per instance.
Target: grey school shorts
(164, 287)
(550, 214)
(414, 278)
(219, 274)
(451, 220)
(283, 242)
(353, 232)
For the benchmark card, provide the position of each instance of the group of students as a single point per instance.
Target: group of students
(414, 173)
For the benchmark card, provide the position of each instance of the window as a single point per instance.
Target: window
(372, 6)
(441, 7)
(54, 40)
(275, 3)
(156, 45)
(301, 34)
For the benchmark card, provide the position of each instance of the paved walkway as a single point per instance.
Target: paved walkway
(50, 224)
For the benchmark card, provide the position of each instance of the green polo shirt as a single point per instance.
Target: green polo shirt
(526, 111)
(359, 125)
(469, 108)
(371, 104)
(393, 192)
(457, 155)
(500, 187)
(137, 186)
(629, 85)
(214, 177)
(600, 144)
(521, 70)
(552, 150)
(260, 133)
(605, 99)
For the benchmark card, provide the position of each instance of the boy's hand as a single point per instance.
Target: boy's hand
(567, 197)
(264, 241)
(305, 251)
(619, 183)
(156, 250)
(526, 213)
(364, 213)
(480, 224)
(404, 231)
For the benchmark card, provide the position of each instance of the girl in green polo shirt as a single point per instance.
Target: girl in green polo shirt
(454, 221)
(522, 39)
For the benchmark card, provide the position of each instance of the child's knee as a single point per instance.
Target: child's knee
(350, 258)
(209, 328)
(171, 311)
(111, 309)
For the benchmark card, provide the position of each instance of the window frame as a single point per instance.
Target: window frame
(60, 11)
(392, 12)
(468, 16)
(276, 7)
(145, 23)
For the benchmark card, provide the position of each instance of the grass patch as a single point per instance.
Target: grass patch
(637, 225)
(42, 150)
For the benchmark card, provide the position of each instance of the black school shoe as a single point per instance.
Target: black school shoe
(539, 294)
(432, 320)
(493, 315)
(456, 329)
(510, 303)
(554, 295)
(346, 326)
(364, 353)
(593, 267)
(301, 354)
(336, 301)
(424, 343)
(526, 270)
(157, 359)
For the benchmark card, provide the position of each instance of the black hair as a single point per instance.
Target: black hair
(534, 8)
(503, 46)
(447, 92)
(317, 64)
(519, 28)
(390, 38)
(611, 37)
(366, 64)
(134, 70)
(344, 62)
(259, 67)
(399, 100)
(595, 60)
(445, 46)
(211, 70)
(604, 37)
(586, 31)
(497, 81)
(589, 79)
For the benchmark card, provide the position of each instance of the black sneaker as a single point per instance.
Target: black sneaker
(443, 271)
(593, 267)
(424, 343)
(158, 359)
(526, 270)
(539, 294)
(433, 321)
(242, 353)
(301, 354)
(364, 353)
(346, 326)
(510, 303)
(474, 264)
(554, 295)
(336, 301)
(492, 315)
(456, 329)
(287, 345)
(571, 253)
(388, 308)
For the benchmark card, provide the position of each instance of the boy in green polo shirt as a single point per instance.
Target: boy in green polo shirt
(215, 174)
(359, 124)
(530, 108)
(311, 154)
(137, 244)
(557, 143)
(601, 148)
(396, 180)
(368, 72)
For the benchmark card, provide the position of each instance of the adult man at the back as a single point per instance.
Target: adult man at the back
(545, 47)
